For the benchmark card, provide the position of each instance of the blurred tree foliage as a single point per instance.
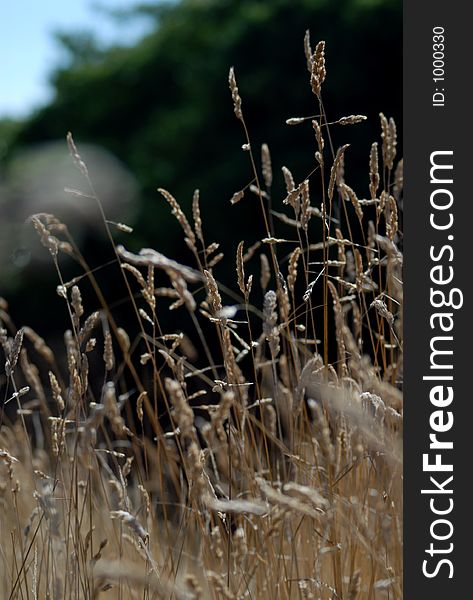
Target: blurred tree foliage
(163, 106)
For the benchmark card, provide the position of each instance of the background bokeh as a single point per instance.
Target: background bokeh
(156, 112)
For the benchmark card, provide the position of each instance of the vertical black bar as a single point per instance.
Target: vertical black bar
(437, 118)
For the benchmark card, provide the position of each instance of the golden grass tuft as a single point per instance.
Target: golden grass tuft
(274, 470)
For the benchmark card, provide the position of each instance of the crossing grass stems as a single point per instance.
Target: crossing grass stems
(276, 473)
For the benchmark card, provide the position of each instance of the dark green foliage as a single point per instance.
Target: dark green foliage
(163, 107)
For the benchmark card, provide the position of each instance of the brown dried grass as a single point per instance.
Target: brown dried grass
(290, 487)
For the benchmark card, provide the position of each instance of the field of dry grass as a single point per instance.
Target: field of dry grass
(275, 471)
